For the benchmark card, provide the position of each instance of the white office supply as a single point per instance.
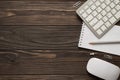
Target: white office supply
(100, 15)
(103, 69)
(113, 35)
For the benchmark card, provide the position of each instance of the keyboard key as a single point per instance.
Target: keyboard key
(99, 32)
(105, 19)
(103, 13)
(108, 24)
(99, 16)
(116, 1)
(84, 15)
(112, 5)
(107, 8)
(103, 28)
(107, 2)
(101, 0)
(86, 7)
(113, 11)
(117, 15)
(94, 0)
(109, 15)
(117, 7)
(103, 5)
(99, 9)
(94, 13)
(97, 3)
(93, 21)
(81, 11)
(112, 20)
(89, 18)
(99, 24)
(90, 3)
(93, 7)
(89, 11)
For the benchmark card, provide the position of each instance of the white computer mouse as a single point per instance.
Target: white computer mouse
(103, 69)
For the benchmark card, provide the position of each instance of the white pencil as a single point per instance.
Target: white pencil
(104, 42)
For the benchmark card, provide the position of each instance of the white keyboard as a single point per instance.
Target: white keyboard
(100, 15)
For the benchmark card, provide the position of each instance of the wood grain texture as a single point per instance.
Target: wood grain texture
(43, 35)
(38, 13)
(49, 62)
(47, 77)
(78, 55)
(39, 37)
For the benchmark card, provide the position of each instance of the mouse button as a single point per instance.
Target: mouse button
(103, 69)
(94, 67)
(115, 73)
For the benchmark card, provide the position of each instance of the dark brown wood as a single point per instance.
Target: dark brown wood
(78, 55)
(47, 77)
(39, 37)
(56, 62)
(38, 13)
(38, 41)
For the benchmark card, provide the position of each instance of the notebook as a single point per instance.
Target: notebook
(87, 36)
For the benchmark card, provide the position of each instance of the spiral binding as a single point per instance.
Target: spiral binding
(82, 34)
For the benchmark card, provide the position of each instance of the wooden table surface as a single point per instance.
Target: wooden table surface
(44, 35)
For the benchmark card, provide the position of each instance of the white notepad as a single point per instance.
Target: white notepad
(87, 36)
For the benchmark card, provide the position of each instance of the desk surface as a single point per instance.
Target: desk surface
(44, 34)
